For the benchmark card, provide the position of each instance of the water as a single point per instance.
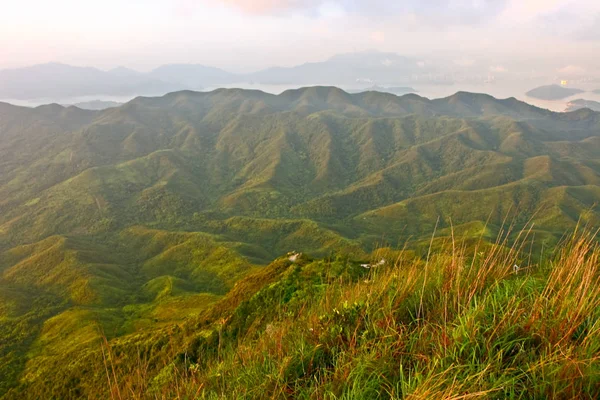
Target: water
(497, 90)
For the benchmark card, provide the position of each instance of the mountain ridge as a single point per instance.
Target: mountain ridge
(369, 66)
(131, 219)
(136, 131)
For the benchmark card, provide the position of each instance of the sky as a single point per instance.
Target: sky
(247, 35)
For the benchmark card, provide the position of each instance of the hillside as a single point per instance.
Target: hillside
(120, 224)
(460, 323)
(316, 156)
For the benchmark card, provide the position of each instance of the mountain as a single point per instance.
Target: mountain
(317, 153)
(582, 103)
(56, 80)
(119, 225)
(371, 66)
(125, 72)
(553, 92)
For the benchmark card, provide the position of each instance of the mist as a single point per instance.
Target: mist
(67, 50)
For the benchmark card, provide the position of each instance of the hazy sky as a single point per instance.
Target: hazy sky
(243, 35)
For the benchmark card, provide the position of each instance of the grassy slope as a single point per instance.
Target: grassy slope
(58, 295)
(459, 323)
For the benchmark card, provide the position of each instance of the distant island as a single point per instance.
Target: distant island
(582, 103)
(553, 92)
(399, 91)
(97, 105)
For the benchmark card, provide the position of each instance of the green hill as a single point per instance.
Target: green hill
(124, 222)
(460, 323)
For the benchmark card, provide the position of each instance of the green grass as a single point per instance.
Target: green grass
(456, 323)
(449, 327)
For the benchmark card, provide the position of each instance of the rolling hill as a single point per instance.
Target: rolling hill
(196, 159)
(119, 221)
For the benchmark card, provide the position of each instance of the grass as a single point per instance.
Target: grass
(455, 325)
(461, 322)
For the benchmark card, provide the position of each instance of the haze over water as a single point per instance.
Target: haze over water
(497, 90)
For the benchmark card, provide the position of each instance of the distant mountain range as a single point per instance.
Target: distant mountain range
(375, 67)
(553, 92)
(55, 80)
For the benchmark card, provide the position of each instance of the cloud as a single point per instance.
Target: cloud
(524, 10)
(267, 7)
(440, 13)
(445, 12)
(589, 31)
(571, 70)
(331, 10)
(574, 20)
(461, 11)
(378, 36)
